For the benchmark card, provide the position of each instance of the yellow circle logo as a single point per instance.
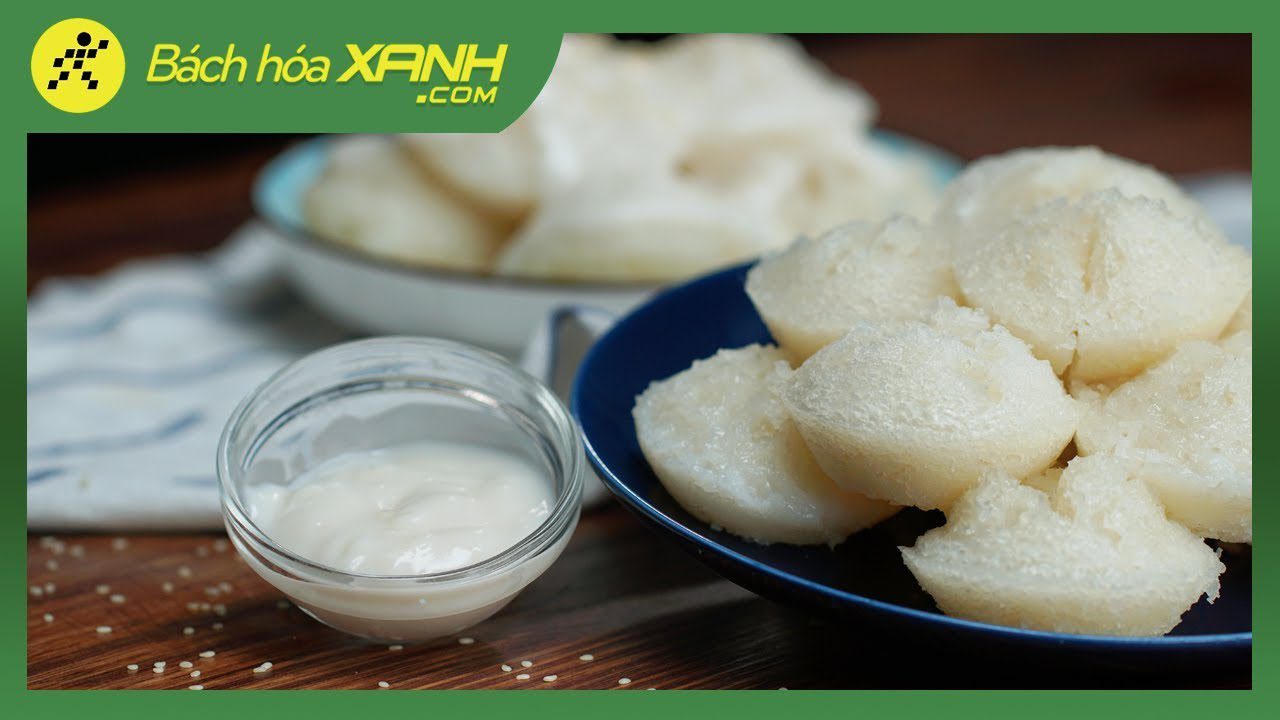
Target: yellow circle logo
(77, 65)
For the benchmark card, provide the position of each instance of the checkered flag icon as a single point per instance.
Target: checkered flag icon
(78, 57)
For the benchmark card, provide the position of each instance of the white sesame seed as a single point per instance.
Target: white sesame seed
(119, 543)
(465, 640)
(225, 586)
(282, 604)
(77, 551)
(216, 626)
(263, 667)
(505, 668)
(624, 681)
(188, 630)
(103, 589)
(212, 591)
(522, 676)
(195, 673)
(384, 684)
(185, 665)
(51, 564)
(37, 591)
(204, 607)
(184, 572)
(131, 667)
(208, 654)
(104, 629)
(118, 599)
(50, 588)
(58, 548)
(219, 609)
(587, 657)
(48, 617)
(220, 545)
(394, 648)
(193, 606)
(157, 670)
(202, 551)
(526, 663)
(166, 586)
(196, 687)
(160, 664)
(550, 678)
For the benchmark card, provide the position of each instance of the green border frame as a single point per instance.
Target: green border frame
(25, 112)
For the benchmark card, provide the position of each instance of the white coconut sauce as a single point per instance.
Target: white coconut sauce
(412, 509)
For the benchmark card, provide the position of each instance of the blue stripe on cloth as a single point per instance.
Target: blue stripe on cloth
(35, 476)
(131, 441)
(145, 378)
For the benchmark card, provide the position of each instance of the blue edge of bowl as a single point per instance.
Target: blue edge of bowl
(694, 320)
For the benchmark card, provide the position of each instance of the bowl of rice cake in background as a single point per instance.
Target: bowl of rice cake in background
(623, 176)
(1024, 421)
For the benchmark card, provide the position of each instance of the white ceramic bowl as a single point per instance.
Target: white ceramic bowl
(386, 297)
(383, 296)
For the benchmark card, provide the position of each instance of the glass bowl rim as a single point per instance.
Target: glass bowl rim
(565, 439)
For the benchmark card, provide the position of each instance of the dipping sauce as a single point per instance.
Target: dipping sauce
(412, 509)
(401, 489)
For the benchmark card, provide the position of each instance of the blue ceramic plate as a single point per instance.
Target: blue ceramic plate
(863, 580)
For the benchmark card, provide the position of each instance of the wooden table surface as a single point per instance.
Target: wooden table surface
(643, 608)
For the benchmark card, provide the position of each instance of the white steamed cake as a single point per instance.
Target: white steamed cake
(812, 293)
(1188, 422)
(371, 196)
(1095, 556)
(719, 438)
(1106, 285)
(913, 412)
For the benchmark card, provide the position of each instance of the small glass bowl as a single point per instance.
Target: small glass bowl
(387, 391)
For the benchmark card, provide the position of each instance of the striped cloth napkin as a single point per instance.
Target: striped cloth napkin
(131, 375)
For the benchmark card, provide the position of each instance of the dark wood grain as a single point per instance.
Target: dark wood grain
(643, 608)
